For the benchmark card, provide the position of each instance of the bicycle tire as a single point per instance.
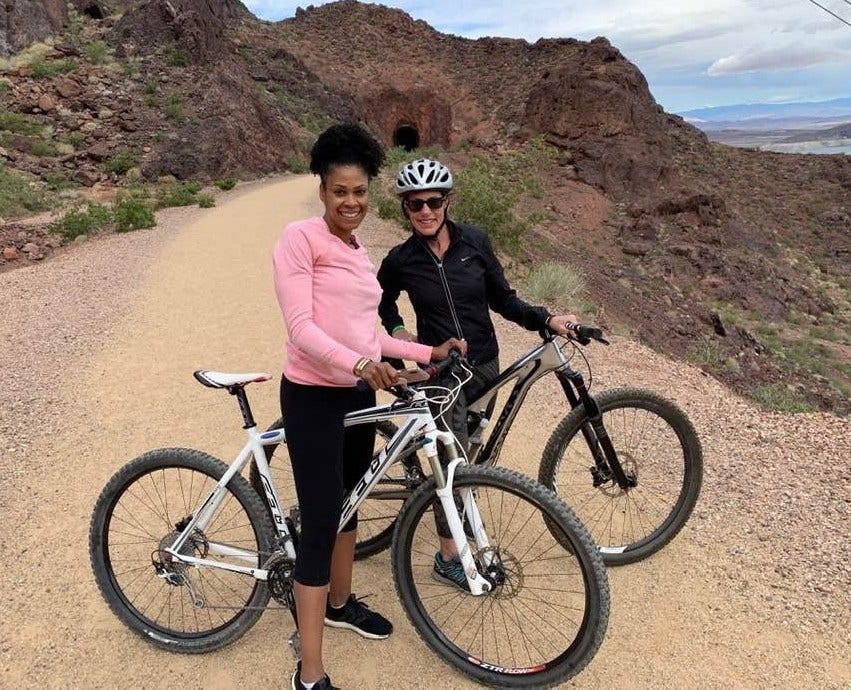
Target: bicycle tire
(654, 440)
(134, 517)
(487, 637)
(376, 516)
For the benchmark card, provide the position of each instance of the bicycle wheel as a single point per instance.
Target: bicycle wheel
(173, 606)
(656, 445)
(547, 614)
(377, 514)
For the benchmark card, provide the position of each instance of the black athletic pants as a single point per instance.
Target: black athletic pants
(328, 460)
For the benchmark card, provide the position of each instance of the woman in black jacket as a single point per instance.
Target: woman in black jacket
(453, 279)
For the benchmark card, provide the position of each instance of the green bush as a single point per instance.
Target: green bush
(96, 52)
(173, 106)
(133, 212)
(226, 184)
(487, 199)
(184, 194)
(206, 201)
(555, 284)
(41, 68)
(296, 163)
(780, 399)
(82, 220)
(20, 124)
(42, 147)
(121, 161)
(58, 181)
(20, 195)
(75, 139)
(177, 58)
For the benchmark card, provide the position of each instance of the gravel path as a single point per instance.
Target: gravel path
(97, 348)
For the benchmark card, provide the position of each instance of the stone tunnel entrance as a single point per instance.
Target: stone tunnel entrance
(407, 137)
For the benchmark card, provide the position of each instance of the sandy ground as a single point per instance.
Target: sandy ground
(710, 611)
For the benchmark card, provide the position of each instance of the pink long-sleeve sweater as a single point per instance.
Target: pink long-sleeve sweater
(329, 297)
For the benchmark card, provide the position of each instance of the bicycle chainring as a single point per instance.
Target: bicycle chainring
(280, 579)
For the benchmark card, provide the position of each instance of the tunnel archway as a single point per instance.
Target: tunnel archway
(407, 136)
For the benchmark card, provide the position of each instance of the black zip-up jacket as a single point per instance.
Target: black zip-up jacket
(451, 297)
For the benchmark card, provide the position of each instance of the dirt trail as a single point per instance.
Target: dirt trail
(204, 299)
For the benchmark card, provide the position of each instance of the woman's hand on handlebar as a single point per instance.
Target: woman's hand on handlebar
(380, 375)
(560, 324)
(441, 352)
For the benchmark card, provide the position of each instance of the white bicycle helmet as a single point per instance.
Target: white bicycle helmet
(423, 174)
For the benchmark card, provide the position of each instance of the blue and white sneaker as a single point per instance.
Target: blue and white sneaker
(450, 572)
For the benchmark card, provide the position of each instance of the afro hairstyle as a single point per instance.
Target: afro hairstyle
(346, 144)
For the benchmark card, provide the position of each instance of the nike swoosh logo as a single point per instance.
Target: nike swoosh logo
(464, 258)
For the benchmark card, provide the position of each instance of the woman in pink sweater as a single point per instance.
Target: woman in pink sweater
(329, 295)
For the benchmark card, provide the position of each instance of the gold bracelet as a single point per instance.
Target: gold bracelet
(362, 364)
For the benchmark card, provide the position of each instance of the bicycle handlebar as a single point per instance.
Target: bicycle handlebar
(427, 373)
(582, 333)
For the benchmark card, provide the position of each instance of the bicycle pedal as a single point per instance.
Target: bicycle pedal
(294, 642)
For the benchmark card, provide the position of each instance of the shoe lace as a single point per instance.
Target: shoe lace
(357, 607)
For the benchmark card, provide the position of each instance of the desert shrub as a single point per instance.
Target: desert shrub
(19, 195)
(173, 106)
(206, 201)
(706, 352)
(75, 139)
(82, 220)
(177, 58)
(96, 52)
(226, 184)
(58, 181)
(550, 283)
(42, 68)
(487, 199)
(133, 212)
(41, 147)
(779, 398)
(183, 194)
(121, 161)
(386, 204)
(19, 124)
(296, 163)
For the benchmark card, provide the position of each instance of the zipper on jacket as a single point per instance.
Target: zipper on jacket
(446, 292)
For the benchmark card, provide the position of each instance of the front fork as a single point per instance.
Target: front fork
(478, 583)
(606, 462)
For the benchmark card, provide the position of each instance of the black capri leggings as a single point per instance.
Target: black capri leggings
(328, 460)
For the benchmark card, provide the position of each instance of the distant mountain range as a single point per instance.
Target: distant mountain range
(836, 110)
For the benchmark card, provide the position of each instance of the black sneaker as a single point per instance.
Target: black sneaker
(324, 684)
(356, 615)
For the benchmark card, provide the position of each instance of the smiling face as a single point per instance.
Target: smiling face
(345, 194)
(426, 221)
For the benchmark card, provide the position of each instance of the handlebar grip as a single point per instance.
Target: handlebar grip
(585, 334)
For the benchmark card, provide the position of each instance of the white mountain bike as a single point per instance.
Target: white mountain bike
(188, 554)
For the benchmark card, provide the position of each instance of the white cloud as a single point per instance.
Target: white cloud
(773, 60)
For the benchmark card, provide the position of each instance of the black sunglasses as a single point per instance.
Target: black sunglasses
(416, 205)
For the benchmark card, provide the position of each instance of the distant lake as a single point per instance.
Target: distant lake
(809, 147)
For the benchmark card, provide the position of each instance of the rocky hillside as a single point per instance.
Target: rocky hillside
(733, 258)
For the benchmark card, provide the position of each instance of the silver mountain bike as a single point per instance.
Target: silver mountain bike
(628, 461)
(188, 554)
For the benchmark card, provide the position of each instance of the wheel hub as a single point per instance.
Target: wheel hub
(503, 570)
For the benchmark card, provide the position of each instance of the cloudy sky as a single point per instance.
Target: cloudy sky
(693, 53)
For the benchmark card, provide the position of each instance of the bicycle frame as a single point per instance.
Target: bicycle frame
(419, 427)
(529, 368)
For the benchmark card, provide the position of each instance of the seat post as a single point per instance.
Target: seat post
(244, 407)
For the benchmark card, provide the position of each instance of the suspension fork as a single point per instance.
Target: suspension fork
(593, 430)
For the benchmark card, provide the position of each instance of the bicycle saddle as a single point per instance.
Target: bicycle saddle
(216, 379)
